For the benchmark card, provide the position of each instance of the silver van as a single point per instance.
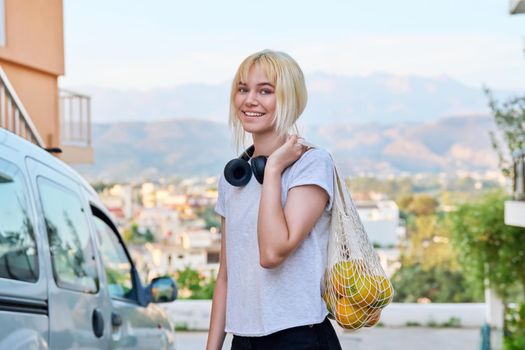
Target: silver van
(66, 277)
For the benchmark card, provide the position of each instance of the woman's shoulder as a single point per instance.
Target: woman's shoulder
(316, 154)
(222, 184)
(311, 160)
(315, 167)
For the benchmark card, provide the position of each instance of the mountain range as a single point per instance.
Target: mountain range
(376, 124)
(379, 97)
(150, 150)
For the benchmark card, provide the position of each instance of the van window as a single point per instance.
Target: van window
(74, 265)
(116, 263)
(18, 253)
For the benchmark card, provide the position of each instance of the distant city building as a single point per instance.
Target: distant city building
(381, 221)
(200, 251)
(118, 200)
(124, 192)
(164, 223)
(149, 195)
(389, 258)
(182, 240)
(175, 200)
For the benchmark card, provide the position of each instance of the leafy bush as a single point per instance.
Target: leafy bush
(193, 285)
(494, 253)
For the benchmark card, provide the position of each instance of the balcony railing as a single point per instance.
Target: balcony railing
(13, 115)
(519, 175)
(75, 118)
(517, 6)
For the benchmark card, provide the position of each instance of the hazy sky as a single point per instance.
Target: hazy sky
(132, 44)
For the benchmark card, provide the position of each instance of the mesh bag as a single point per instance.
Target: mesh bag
(356, 287)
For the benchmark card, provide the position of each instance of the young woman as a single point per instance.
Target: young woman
(274, 223)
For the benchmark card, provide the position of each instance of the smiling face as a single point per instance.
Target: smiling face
(255, 102)
(268, 94)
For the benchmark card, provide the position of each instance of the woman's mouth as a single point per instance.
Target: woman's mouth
(253, 114)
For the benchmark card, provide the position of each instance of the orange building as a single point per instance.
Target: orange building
(31, 61)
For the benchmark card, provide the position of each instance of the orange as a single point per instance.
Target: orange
(349, 316)
(328, 302)
(386, 291)
(342, 276)
(373, 317)
(364, 291)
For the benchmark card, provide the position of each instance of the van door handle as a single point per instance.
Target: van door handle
(97, 321)
(116, 319)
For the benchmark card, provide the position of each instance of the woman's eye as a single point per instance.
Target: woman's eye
(242, 89)
(266, 92)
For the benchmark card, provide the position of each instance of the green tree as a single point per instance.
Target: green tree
(404, 201)
(148, 236)
(191, 282)
(422, 204)
(429, 264)
(209, 216)
(490, 249)
(494, 253)
(510, 120)
(101, 186)
(129, 233)
(391, 187)
(206, 290)
(437, 283)
(133, 235)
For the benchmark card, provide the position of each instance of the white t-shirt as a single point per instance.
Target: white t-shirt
(263, 301)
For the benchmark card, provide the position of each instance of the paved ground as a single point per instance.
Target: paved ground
(409, 338)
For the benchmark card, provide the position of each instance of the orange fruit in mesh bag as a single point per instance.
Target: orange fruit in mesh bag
(343, 275)
(349, 316)
(329, 301)
(386, 291)
(364, 291)
(373, 317)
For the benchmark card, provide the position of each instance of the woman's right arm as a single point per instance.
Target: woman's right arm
(216, 333)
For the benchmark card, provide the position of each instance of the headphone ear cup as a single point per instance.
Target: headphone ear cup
(238, 172)
(258, 165)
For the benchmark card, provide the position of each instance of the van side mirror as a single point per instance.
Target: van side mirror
(163, 290)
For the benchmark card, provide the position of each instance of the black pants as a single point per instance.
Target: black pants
(319, 336)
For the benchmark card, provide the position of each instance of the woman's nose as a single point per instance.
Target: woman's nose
(251, 99)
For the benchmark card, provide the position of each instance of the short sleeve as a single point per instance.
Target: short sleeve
(220, 205)
(315, 167)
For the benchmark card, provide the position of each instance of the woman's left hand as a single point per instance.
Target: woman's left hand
(285, 155)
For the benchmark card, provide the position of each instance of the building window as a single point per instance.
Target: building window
(213, 258)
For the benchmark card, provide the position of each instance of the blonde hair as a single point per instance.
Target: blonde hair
(290, 91)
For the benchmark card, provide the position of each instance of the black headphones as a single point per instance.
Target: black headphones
(238, 171)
